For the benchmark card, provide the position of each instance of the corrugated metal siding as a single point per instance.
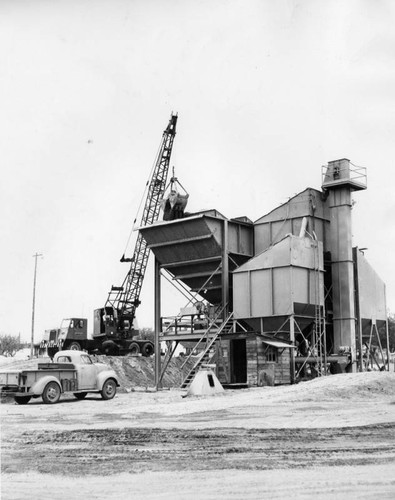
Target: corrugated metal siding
(287, 218)
(270, 283)
(372, 300)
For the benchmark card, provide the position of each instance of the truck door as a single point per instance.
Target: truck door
(86, 373)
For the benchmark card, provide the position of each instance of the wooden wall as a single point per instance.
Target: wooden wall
(263, 371)
(222, 360)
(260, 370)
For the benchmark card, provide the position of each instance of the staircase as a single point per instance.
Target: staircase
(225, 327)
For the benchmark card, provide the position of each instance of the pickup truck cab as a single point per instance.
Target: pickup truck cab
(70, 372)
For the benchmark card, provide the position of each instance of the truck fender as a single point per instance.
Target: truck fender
(38, 387)
(105, 375)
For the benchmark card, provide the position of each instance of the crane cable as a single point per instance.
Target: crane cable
(143, 196)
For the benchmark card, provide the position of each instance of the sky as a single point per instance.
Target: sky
(266, 91)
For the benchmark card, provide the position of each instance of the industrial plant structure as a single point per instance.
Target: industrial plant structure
(275, 300)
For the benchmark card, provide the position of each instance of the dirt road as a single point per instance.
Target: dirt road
(334, 438)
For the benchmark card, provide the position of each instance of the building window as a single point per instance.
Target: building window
(272, 354)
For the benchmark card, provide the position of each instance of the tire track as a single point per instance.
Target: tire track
(111, 451)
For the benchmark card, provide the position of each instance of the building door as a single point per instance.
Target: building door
(238, 361)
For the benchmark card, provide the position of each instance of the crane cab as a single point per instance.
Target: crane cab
(109, 322)
(114, 334)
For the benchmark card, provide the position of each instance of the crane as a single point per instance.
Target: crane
(113, 324)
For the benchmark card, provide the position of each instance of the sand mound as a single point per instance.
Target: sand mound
(351, 386)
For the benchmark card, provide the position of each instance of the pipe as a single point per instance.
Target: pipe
(303, 227)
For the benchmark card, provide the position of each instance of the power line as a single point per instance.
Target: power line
(34, 302)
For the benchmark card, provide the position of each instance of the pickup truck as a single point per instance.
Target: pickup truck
(70, 372)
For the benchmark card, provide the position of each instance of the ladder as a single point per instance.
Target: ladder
(319, 329)
(225, 327)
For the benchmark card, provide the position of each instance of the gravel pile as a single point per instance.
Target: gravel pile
(136, 372)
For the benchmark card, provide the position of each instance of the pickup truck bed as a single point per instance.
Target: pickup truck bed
(12, 382)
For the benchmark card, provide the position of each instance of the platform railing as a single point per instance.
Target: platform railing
(347, 171)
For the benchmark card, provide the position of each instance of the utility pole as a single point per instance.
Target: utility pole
(34, 303)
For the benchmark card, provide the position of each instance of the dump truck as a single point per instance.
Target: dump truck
(70, 372)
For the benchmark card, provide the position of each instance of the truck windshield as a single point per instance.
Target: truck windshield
(85, 360)
(65, 323)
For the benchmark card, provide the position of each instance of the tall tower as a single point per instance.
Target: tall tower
(339, 181)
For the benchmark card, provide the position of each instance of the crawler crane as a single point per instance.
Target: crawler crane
(114, 330)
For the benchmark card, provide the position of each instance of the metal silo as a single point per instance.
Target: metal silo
(285, 279)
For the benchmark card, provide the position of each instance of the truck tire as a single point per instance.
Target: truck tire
(110, 348)
(22, 400)
(74, 346)
(109, 389)
(80, 395)
(133, 349)
(51, 393)
(147, 349)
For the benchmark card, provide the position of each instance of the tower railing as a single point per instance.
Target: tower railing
(343, 171)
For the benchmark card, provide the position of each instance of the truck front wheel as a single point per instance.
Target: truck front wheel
(22, 400)
(75, 346)
(51, 393)
(109, 389)
(110, 348)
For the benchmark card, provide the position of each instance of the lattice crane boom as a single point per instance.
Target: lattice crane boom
(126, 298)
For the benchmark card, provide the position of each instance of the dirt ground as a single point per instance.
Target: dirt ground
(332, 437)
